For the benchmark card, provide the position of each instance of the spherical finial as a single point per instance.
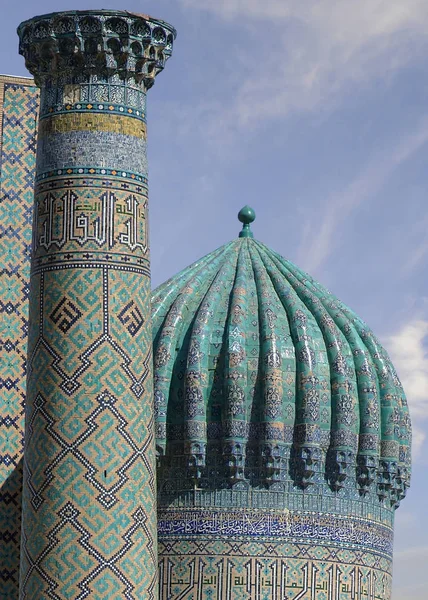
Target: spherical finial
(246, 215)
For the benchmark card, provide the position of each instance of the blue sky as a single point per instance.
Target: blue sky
(314, 112)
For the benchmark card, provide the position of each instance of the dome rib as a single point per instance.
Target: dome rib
(274, 434)
(370, 359)
(239, 389)
(200, 362)
(262, 374)
(338, 378)
(172, 306)
(193, 273)
(308, 387)
(388, 404)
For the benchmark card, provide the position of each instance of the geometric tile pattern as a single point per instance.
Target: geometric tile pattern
(19, 99)
(89, 492)
(272, 555)
(240, 569)
(89, 436)
(89, 487)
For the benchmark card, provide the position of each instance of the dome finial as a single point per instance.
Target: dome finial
(246, 215)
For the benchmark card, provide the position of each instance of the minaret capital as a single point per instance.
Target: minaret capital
(73, 45)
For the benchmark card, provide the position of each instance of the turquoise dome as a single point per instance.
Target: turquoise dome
(263, 377)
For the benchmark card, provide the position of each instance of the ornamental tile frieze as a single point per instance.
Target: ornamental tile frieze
(309, 527)
(89, 219)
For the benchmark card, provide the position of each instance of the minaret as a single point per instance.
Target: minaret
(89, 510)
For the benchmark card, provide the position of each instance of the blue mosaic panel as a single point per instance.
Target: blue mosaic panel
(18, 112)
(126, 152)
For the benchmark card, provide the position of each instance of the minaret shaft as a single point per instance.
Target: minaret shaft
(89, 509)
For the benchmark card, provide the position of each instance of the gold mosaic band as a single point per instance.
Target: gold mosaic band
(125, 125)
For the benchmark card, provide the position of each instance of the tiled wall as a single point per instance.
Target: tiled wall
(19, 101)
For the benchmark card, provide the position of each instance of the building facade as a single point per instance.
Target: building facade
(19, 103)
(281, 428)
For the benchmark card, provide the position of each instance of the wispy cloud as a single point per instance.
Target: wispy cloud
(420, 249)
(305, 54)
(321, 232)
(408, 349)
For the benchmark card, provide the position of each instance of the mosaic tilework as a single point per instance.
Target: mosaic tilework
(18, 114)
(98, 94)
(85, 121)
(270, 555)
(107, 218)
(98, 107)
(304, 526)
(269, 570)
(89, 512)
(129, 153)
(263, 378)
(89, 398)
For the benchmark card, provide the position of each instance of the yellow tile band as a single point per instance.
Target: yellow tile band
(93, 122)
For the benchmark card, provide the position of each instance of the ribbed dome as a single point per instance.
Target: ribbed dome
(261, 373)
